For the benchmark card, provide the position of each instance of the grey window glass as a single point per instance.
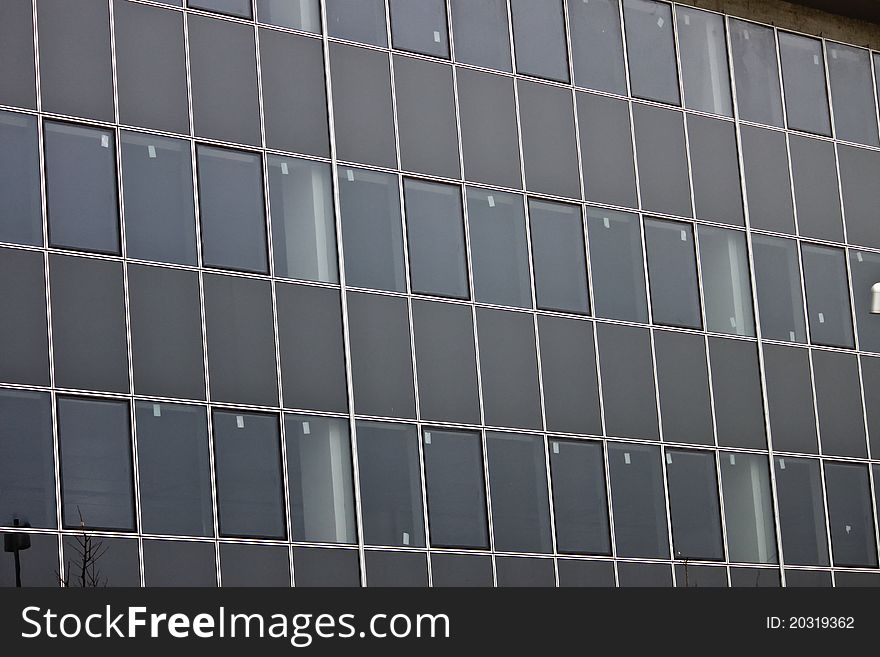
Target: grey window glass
(768, 183)
(39, 565)
(518, 485)
(311, 349)
(655, 575)
(81, 187)
(396, 569)
(865, 269)
(580, 502)
(481, 33)
(524, 572)
(321, 567)
(20, 203)
(662, 159)
(859, 169)
(871, 380)
(839, 404)
(736, 384)
(704, 66)
(27, 469)
(357, 20)
(420, 26)
(247, 457)
(754, 577)
(174, 469)
(112, 562)
(727, 290)
(319, 478)
(803, 73)
(607, 163)
(446, 362)
(241, 340)
(777, 278)
(815, 188)
(96, 484)
(302, 15)
(381, 362)
(179, 564)
(435, 235)
(23, 324)
(593, 574)
(294, 93)
(715, 170)
(672, 270)
(801, 511)
(372, 237)
(303, 221)
(597, 45)
(157, 186)
(240, 8)
(88, 324)
(470, 570)
(756, 71)
(509, 368)
(487, 112)
(151, 67)
(254, 565)
(683, 381)
(426, 117)
(568, 368)
(693, 505)
(391, 490)
(455, 489)
(17, 80)
(616, 265)
(638, 501)
(559, 256)
(852, 93)
(548, 139)
(232, 209)
(166, 333)
(688, 576)
(627, 381)
(539, 38)
(850, 515)
(499, 249)
(748, 508)
(651, 47)
(825, 277)
(790, 399)
(807, 578)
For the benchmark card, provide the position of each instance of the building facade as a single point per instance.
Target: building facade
(436, 292)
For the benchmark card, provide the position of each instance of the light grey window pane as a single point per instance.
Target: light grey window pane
(294, 94)
(518, 486)
(683, 380)
(638, 501)
(559, 256)
(777, 277)
(736, 384)
(499, 249)
(241, 340)
(372, 237)
(95, 443)
(322, 567)
(232, 209)
(174, 469)
(524, 572)
(790, 399)
(803, 73)
(672, 270)
(509, 367)
(815, 188)
(166, 332)
(488, 128)
(597, 45)
(704, 66)
(865, 269)
(113, 562)
(248, 462)
(39, 565)
(27, 461)
(539, 38)
(81, 187)
(828, 306)
(768, 183)
(391, 489)
(548, 141)
(357, 20)
(616, 265)
(20, 203)
(693, 505)
(801, 511)
(254, 565)
(662, 159)
(446, 362)
(381, 361)
(748, 508)
(17, 79)
(157, 186)
(727, 290)
(179, 564)
(435, 235)
(568, 368)
(871, 381)
(88, 324)
(859, 171)
(607, 163)
(319, 478)
(627, 381)
(715, 170)
(583, 574)
(852, 93)
(481, 33)
(420, 26)
(651, 48)
(850, 515)
(396, 569)
(655, 575)
(756, 71)
(302, 15)
(303, 220)
(471, 570)
(839, 403)
(240, 8)
(580, 502)
(24, 330)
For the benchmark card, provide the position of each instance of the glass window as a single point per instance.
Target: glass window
(518, 485)
(616, 265)
(768, 182)
(651, 47)
(688, 576)
(839, 403)
(231, 7)
(471, 570)
(828, 306)
(179, 564)
(704, 67)
(816, 195)
(23, 324)
(319, 477)
(372, 236)
(96, 485)
(790, 399)
(254, 565)
(322, 567)
(81, 187)
(865, 269)
(801, 511)
(579, 498)
(607, 162)
(683, 382)
(302, 15)
(247, 457)
(395, 569)
(597, 45)
(17, 80)
(357, 20)
(524, 572)
(303, 221)
(657, 575)
(481, 33)
(852, 92)
(92, 561)
(391, 489)
(693, 505)
(850, 515)
(871, 381)
(20, 202)
(754, 577)
(38, 565)
(662, 159)
(539, 39)
(859, 168)
(715, 170)
(559, 257)
(736, 384)
(727, 290)
(803, 73)
(174, 469)
(748, 508)
(807, 578)
(672, 270)
(638, 501)
(777, 277)
(420, 26)
(582, 573)
(756, 71)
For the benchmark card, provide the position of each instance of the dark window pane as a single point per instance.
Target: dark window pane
(594, 574)
(20, 203)
(756, 71)
(597, 45)
(616, 265)
(539, 39)
(838, 401)
(240, 8)
(179, 564)
(803, 73)
(606, 150)
(420, 26)
(672, 271)
(768, 183)
(852, 91)
(254, 565)
(17, 80)
(790, 399)
(93, 561)
(524, 572)
(801, 511)
(748, 508)
(461, 570)
(23, 323)
(320, 567)
(859, 169)
(704, 65)
(580, 502)
(807, 578)
(843, 579)
(850, 515)
(736, 384)
(683, 379)
(865, 269)
(871, 380)
(828, 306)
(651, 49)
(715, 170)
(638, 501)
(481, 33)
(688, 576)
(727, 289)
(693, 505)
(662, 159)
(815, 188)
(559, 257)
(302, 15)
(39, 564)
(657, 575)
(754, 577)
(357, 20)
(396, 569)
(777, 277)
